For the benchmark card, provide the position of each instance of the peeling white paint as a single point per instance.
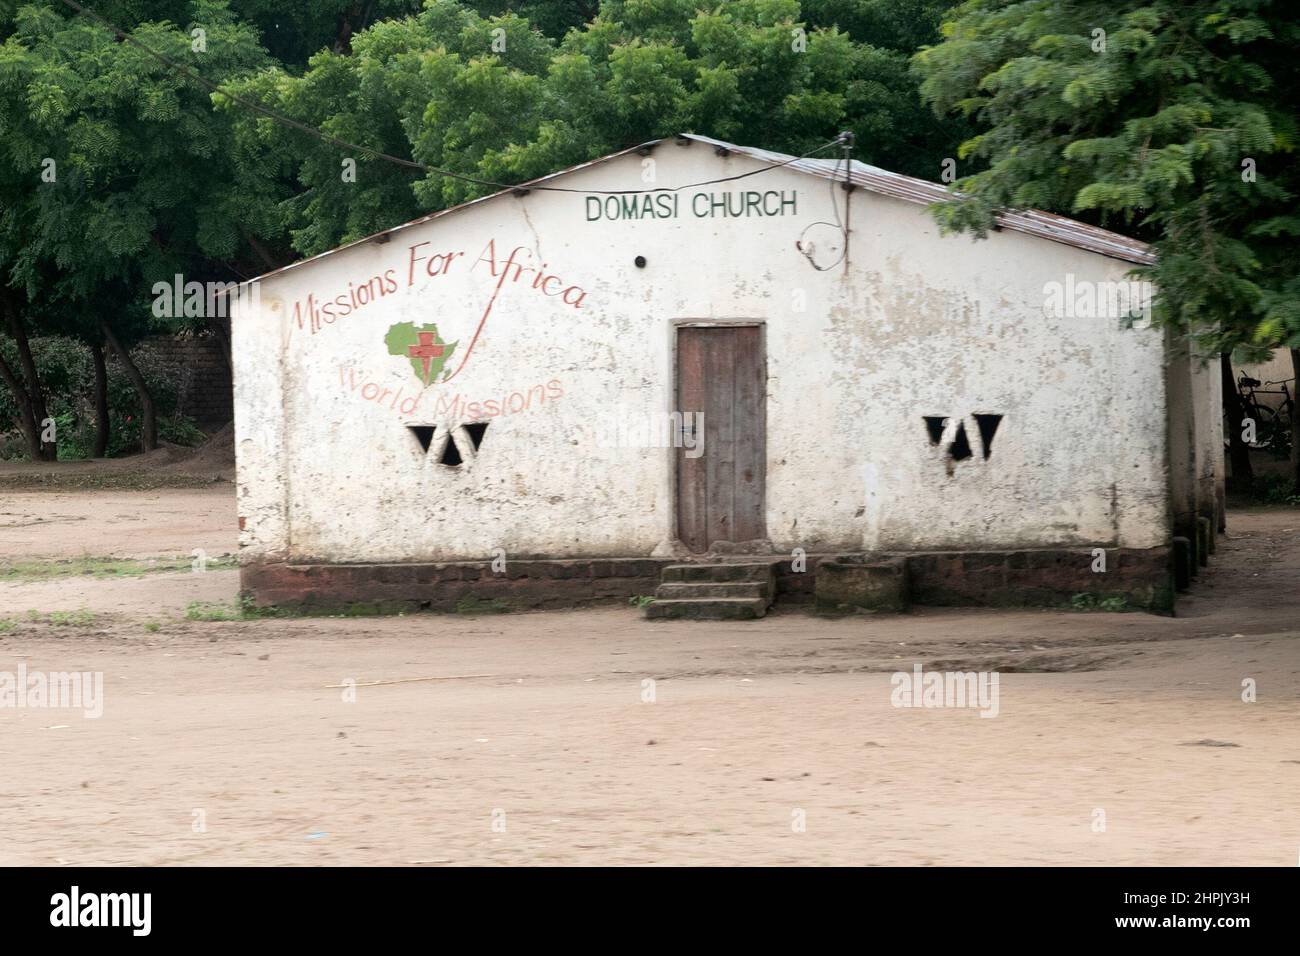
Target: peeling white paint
(920, 324)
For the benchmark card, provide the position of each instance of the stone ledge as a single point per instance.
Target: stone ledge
(860, 585)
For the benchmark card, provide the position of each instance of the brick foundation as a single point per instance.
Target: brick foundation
(463, 586)
(1139, 579)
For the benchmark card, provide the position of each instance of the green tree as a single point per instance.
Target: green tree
(1172, 120)
(118, 171)
(117, 174)
(492, 98)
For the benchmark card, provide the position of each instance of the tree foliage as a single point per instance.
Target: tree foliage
(117, 171)
(1172, 120)
(477, 90)
(115, 174)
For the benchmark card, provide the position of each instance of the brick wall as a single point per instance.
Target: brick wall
(1137, 579)
(204, 389)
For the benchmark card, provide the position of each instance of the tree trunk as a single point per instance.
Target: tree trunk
(149, 421)
(101, 401)
(31, 394)
(26, 419)
(1243, 473)
(1295, 419)
(351, 22)
(268, 260)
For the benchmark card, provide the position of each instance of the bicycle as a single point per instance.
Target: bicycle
(1272, 424)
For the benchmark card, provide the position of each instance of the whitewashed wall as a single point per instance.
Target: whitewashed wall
(919, 325)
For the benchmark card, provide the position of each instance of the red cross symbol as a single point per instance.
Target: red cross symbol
(425, 351)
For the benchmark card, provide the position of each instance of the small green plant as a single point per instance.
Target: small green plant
(1090, 602)
(103, 567)
(152, 626)
(212, 611)
(81, 618)
(246, 610)
(640, 600)
(7, 624)
(180, 430)
(469, 604)
(1275, 490)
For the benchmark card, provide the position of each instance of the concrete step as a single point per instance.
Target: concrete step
(708, 609)
(684, 590)
(729, 571)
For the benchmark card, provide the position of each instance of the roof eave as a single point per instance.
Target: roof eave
(1032, 222)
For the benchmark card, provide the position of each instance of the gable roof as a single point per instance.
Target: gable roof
(1033, 222)
(1045, 225)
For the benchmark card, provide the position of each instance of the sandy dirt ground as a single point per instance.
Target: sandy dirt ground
(169, 522)
(1119, 738)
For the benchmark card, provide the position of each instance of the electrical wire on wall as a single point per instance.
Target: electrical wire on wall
(808, 247)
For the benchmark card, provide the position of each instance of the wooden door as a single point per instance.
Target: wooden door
(722, 374)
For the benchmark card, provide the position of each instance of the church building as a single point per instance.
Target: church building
(720, 377)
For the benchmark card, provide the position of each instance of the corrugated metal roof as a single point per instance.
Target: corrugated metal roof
(1032, 221)
(1035, 222)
